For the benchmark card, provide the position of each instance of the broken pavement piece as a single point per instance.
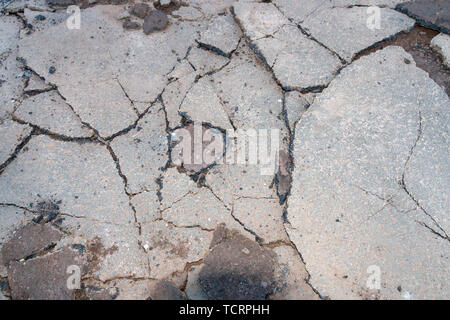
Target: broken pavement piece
(346, 32)
(171, 248)
(48, 111)
(174, 186)
(291, 276)
(222, 35)
(237, 268)
(113, 250)
(142, 152)
(99, 195)
(296, 105)
(35, 85)
(201, 104)
(205, 62)
(155, 20)
(140, 10)
(441, 43)
(29, 240)
(45, 277)
(359, 167)
(297, 62)
(434, 14)
(200, 209)
(262, 216)
(13, 219)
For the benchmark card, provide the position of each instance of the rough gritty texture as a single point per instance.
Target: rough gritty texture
(49, 111)
(434, 14)
(376, 198)
(441, 43)
(51, 169)
(345, 31)
(90, 121)
(29, 240)
(297, 61)
(43, 278)
(165, 290)
(12, 134)
(237, 268)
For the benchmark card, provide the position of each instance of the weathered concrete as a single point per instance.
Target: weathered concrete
(221, 34)
(12, 219)
(297, 61)
(201, 103)
(291, 277)
(346, 31)
(262, 216)
(441, 43)
(114, 74)
(50, 170)
(48, 111)
(142, 152)
(296, 104)
(165, 290)
(370, 179)
(11, 81)
(113, 250)
(171, 248)
(12, 134)
(89, 172)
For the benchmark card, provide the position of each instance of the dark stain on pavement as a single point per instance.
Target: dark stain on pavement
(237, 268)
(96, 251)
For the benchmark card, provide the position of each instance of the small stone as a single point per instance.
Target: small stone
(51, 70)
(156, 20)
(123, 15)
(40, 17)
(140, 10)
(165, 3)
(441, 43)
(131, 25)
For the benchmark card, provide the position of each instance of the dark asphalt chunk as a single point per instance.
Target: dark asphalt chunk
(131, 25)
(165, 290)
(29, 240)
(155, 21)
(44, 277)
(434, 14)
(237, 268)
(140, 10)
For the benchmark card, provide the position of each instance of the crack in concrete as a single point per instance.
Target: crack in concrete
(17, 150)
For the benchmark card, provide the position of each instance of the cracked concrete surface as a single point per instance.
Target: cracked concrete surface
(89, 126)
